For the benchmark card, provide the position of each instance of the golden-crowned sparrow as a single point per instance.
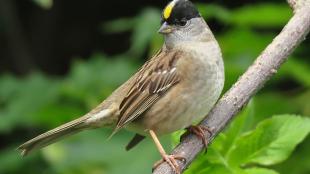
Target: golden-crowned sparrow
(174, 89)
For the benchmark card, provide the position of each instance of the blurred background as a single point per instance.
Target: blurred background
(59, 59)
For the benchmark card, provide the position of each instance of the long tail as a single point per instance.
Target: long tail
(96, 118)
(53, 135)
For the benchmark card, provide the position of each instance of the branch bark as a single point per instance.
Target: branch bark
(265, 66)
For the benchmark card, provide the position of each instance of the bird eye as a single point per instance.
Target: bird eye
(183, 22)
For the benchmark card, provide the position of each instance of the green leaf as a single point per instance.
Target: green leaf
(238, 55)
(26, 100)
(144, 31)
(215, 160)
(72, 153)
(91, 81)
(271, 142)
(241, 123)
(274, 103)
(46, 4)
(214, 11)
(233, 44)
(175, 137)
(260, 171)
(270, 15)
(296, 69)
(299, 161)
(204, 166)
(262, 15)
(119, 25)
(304, 106)
(215, 169)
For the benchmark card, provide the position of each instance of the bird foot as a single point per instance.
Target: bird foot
(199, 131)
(171, 160)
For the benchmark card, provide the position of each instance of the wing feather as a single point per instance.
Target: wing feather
(153, 80)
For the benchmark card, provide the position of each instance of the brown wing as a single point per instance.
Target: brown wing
(153, 80)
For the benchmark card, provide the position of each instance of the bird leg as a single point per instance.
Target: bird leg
(170, 159)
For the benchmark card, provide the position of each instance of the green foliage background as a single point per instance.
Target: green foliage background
(266, 138)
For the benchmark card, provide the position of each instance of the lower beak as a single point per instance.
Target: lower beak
(165, 28)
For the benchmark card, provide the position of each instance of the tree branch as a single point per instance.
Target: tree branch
(265, 66)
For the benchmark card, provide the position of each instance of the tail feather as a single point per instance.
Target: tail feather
(53, 135)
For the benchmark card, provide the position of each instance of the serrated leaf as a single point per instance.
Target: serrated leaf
(271, 142)
(299, 161)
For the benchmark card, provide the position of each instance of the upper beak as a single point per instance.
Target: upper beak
(165, 28)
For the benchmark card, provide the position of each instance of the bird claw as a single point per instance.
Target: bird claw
(171, 160)
(200, 132)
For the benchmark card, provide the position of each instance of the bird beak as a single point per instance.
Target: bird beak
(165, 28)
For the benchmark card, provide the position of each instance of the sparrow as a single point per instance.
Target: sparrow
(174, 89)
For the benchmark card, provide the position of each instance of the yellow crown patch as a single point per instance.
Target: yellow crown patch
(168, 10)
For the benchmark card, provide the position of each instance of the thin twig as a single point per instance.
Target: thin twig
(265, 66)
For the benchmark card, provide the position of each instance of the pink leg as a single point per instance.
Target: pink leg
(170, 159)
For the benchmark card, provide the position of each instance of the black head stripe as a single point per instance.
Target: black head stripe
(183, 10)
